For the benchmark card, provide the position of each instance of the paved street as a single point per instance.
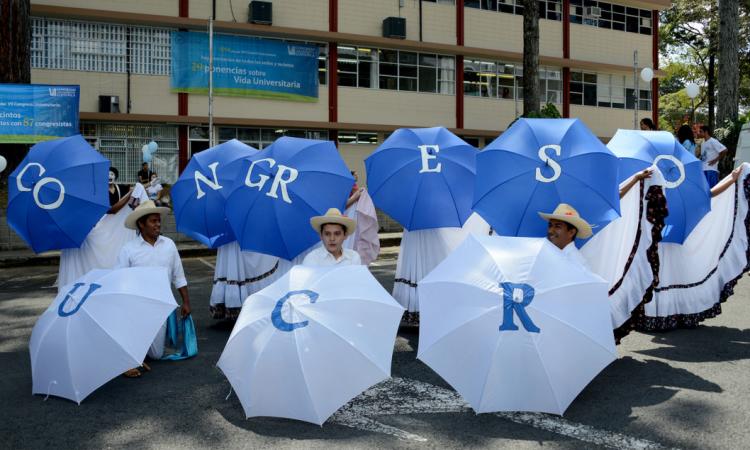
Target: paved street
(682, 389)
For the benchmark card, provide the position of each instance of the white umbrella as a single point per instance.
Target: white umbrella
(310, 342)
(97, 328)
(513, 324)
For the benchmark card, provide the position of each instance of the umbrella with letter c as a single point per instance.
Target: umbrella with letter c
(522, 328)
(307, 344)
(96, 328)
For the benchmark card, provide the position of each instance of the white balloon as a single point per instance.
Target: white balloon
(692, 90)
(3, 163)
(647, 74)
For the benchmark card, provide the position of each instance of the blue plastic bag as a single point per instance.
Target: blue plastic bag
(177, 327)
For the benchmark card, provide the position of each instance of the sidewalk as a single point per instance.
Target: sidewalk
(389, 243)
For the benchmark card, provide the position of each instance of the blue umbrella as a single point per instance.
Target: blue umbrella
(281, 188)
(58, 193)
(688, 195)
(539, 163)
(423, 178)
(200, 194)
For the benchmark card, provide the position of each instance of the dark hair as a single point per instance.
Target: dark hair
(115, 171)
(142, 221)
(144, 162)
(332, 223)
(649, 123)
(684, 133)
(570, 227)
(706, 129)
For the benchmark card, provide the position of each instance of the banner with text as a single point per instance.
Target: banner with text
(31, 113)
(244, 66)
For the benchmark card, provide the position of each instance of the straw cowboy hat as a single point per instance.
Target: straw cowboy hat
(566, 213)
(333, 215)
(144, 209)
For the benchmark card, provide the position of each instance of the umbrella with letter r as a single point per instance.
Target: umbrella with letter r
(685, 186)
(539, 163)
(522, 328)
(96, 328)
(423, 178)
(200, 194)
(310, 342)
(58, 193)
(280, 189)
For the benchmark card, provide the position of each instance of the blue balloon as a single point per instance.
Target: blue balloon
(199, 195)
(280, 189)
(423, 178)
(686, 188)
(539, 163)
(58, 193)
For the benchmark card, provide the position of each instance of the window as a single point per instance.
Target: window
(548, 9)
(263, 137)
(610, 16)
(607, 90)
(583, 88)
(396, 70)
(501, 80)
(358, 137)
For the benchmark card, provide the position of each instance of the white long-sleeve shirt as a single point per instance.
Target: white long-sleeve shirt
(322, 257)
(139, 253)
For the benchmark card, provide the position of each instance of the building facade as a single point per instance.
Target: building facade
(457, 66)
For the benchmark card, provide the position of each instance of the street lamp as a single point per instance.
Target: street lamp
(692, 90)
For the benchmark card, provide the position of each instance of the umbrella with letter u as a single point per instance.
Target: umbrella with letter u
(310, 342)
(58, 193)
(523, 327)
(539, 163)
(199, 195)
(97, 328)
(423, 178)
(280, 189)
(685, 185)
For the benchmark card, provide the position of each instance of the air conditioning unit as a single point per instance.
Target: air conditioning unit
(109, 103)
(260, 12)
(593, 11)
(394, 27)
(645, 22)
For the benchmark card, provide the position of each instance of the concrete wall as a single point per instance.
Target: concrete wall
(604, 122)
(257, 108)
(489, 113)
(357, 105)
(158, 7)
(308, 14)
(93, 84)
(502, 31)
(589, 43)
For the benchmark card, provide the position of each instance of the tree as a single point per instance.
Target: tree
(15, 41)
(531, 94)
(729, 65)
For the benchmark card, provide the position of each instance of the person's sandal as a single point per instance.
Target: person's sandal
(132, 373)
(145, 367)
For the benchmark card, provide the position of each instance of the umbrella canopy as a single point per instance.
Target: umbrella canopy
(521, 328)
(97, 328)
(687, 192)
(310, 342)
(423, 178)
(282, 187)
(539, 163)
(58, 193)
(200, 194)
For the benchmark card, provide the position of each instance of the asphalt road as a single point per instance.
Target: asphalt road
(683, 389)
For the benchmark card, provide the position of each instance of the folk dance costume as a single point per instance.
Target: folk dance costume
(364, 240)
(420, 252)
(697, 276)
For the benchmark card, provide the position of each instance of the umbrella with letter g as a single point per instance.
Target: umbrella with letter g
(310, 342)
(522, 328)
(58, 193)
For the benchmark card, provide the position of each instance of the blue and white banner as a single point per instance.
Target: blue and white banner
(244, 66)
(31, 113)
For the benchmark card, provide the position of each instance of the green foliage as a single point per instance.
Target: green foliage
(728, 134)
(548, 111)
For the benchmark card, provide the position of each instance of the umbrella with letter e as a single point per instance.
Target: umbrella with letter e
(539, 163)
(310, 342)
(524, 327)
(685, 185)
(423, 178)
(96, 328)
(280, 189)
(58, 193)
(200, 194)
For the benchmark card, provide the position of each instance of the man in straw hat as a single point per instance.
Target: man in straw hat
(565, 225)
(153, 249)
(334, 228)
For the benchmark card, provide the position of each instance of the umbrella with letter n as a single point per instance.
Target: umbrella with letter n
(423, 178)
(310, 342)
(96, 328)
(513, 324)
(685, 185)
(200, 194)
(281, 188)
(58, 193)
(539, 163)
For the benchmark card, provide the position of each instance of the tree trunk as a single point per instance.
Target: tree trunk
(531, 58)
(711, 89)
(729, 64)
